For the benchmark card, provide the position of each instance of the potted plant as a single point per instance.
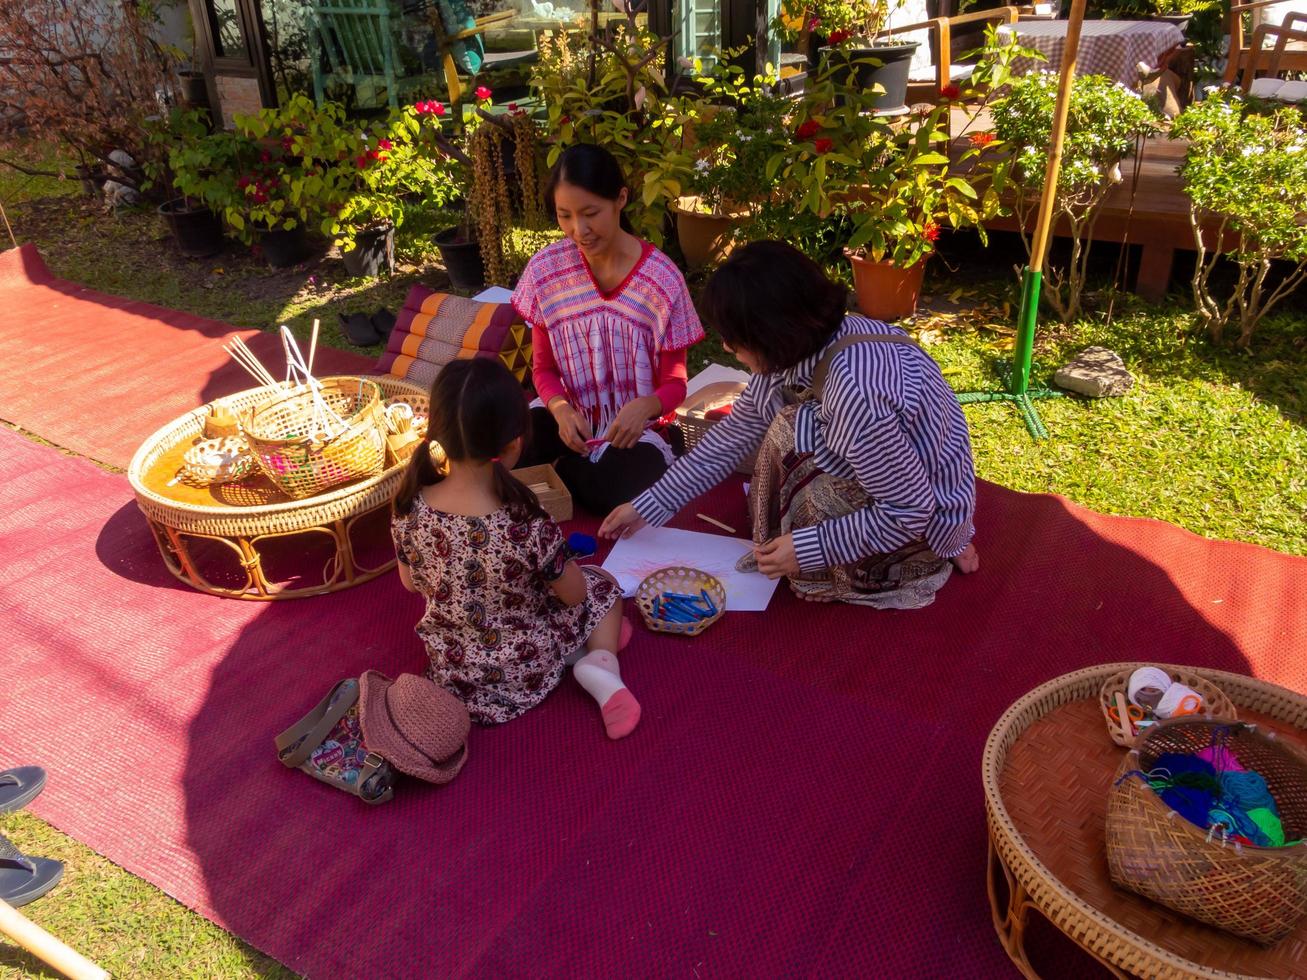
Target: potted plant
(369, 186)
(855, 49)
(187, 164)
(732, 130)
(283, 182)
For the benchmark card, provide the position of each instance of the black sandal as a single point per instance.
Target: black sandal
(24, 879)
(358, 329)
(20, 786)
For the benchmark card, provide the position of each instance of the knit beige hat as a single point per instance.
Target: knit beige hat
(414, 724)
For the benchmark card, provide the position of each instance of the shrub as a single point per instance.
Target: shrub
(1104, 122)
(1245, 169)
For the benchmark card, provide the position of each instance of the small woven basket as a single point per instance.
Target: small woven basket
(214, 461)
(1259, 893)
(688, 581)
(693, 424)
(300, 462)
(1216, 706)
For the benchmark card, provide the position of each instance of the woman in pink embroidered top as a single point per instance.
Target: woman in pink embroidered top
(611, 319)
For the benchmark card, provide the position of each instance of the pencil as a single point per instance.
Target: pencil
(716, 523)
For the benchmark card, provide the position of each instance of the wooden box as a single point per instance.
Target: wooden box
(556, 499)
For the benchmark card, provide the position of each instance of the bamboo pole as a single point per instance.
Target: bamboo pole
(1043, 228)
(46, 947)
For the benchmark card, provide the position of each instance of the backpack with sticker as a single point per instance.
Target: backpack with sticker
(362, 732)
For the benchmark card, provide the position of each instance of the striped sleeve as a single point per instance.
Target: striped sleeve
(717, 455)
(864, 429)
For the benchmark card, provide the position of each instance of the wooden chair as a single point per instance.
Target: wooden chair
(1293, 55)
(1262, 67)
(491, 60)
(926, 81)
(356, 40)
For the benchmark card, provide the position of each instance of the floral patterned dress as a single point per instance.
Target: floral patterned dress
(496, 634)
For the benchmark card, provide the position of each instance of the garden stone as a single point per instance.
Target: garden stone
(1096, 372)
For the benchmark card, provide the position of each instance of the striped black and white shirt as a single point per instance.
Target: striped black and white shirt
(887, 418)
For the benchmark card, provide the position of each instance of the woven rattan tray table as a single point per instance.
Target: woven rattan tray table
(222, 539)
(1047, 768)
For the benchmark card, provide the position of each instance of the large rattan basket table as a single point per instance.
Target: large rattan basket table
(222, 539)
(1048, 765)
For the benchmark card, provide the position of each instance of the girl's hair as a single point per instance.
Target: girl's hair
(477, 408)
(593, 169)
(773, 301)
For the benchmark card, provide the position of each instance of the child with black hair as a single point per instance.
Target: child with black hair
(505, 605)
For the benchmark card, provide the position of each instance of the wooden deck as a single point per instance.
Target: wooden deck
(1154, 214)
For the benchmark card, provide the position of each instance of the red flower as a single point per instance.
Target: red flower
(981, 139)
(437, 108)
(950, 92)
(265, 157)
(808, 130)
(823, 145)
(382, 158)
(565, 120)
(483, 94)
(384, 144)
(243, 183)
(362, 162)
(814, 23)
(287, 143)
(930, 231)
(839, 36)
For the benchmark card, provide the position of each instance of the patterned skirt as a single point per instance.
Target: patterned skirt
(789, 491)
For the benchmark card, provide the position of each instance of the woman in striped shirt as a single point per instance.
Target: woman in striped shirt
(610, 319)
(864, 489)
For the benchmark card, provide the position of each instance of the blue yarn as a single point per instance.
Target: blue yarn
(1190, 802)
(1247, 791)
(581, 545)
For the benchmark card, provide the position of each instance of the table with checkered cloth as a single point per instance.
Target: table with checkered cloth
(1114, 48)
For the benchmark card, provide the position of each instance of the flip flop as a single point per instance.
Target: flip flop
(358, 329)
(383, 321)
(20, 786)
(24, 879)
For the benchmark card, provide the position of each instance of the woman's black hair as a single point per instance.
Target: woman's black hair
(773, 301)
(477, 408)
(593, 169)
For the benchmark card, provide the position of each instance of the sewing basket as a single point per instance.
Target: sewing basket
(1259, 893)
(1215, 704)
(302, 462)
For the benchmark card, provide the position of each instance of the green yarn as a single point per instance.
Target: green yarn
(1269, 823)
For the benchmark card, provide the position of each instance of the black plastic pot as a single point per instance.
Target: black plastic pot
(195, 91)
(373, 252)
(282, 248)
(462, 257)
(197, 231)
(1179, 20)
(883, 64)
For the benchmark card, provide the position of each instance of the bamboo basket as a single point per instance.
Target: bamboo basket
(1258, 893)
(1215, 704)
(677, 578)
(303, 463)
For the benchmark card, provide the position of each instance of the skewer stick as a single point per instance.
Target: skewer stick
(313, 344)
(246, 359)
(716, 523)
(250, 358)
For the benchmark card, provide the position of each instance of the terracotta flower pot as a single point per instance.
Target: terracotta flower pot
(704, 238)
(884, 290)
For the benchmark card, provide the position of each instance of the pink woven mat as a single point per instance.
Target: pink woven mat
(802, 796)
(117, 369)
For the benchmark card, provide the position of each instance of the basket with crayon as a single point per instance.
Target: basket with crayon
(680, 600)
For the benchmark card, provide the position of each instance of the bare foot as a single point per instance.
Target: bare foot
(968, 561)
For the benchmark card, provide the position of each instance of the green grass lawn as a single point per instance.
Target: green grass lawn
(1211, 439)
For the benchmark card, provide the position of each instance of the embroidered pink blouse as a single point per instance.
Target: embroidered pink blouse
(601, 350)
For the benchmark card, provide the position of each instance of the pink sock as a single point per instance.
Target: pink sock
(599, 674)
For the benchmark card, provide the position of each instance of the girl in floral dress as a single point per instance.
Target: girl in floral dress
(611, 319)
(505, 606)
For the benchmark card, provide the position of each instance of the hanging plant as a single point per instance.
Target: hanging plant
(491, 205)
(527, 155)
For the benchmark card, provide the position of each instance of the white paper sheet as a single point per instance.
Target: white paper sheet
(713, 373)
(633, 559)
(494, 294)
